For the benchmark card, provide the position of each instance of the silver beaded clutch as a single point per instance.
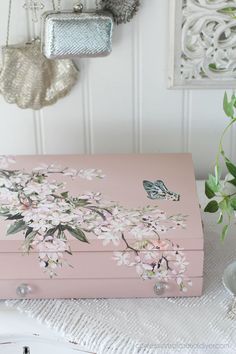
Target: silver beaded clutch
(73, 34)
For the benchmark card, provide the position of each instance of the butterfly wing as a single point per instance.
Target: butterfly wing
(158, 190)
(153, 190)
(148, 188)
(165, 193)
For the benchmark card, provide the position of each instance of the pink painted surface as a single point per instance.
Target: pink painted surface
(94, 272)
(124, 184)
(100, 265)
(86, 288)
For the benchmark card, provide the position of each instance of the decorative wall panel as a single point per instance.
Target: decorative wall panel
(203, 43)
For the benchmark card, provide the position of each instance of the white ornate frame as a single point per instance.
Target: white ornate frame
(187, 19)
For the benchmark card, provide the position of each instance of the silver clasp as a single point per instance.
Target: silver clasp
(78, 7)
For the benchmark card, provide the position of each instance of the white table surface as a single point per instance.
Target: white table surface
(13, 323)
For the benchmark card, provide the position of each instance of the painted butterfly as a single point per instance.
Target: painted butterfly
(158, 190)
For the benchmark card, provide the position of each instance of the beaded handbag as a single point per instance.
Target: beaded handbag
(30, 80)
(76, 33)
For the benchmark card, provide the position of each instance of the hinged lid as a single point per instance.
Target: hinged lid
(111, 201)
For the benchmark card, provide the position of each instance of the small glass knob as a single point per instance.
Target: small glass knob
(23, 290)
(159, 288)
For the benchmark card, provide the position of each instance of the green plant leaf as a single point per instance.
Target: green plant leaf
(81, 202)
(233, 99)
(16, 227)
(52, 231)
(77, 233)
(212, 207)
(228, 106)
(15, 217)
(226, 207)
(208, 191)
(217, 174)
(224, 232)
(65, 194)
(213, 66)
(212, 183)
(233, 182)
(28, 231)
(231, 168)
(4, 212)
(220, 220)
(223, 205)
(233, 203)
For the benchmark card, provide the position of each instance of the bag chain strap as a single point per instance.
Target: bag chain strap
(8, 23)
(54, 8)
(59, 5)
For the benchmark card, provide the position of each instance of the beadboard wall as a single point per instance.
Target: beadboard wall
(121, 103)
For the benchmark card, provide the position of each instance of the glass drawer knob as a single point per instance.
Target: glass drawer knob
(159, 288)
(23, 290)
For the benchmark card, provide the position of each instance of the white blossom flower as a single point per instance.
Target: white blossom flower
(91, 196)
(162, 275)
(108, 237)
(184, 288)
(140, 232)
(54, 168)
(8, 198)
(5, 161)
(40, 226)
(70, 172)
(162, 245)
(116, 226)
(43, 189)
(181, 262)
(91, 173)
(139, 269)
(189, 282)
(122, 258)
(57, 218)
(5, 182)
(179, 280)
(42, 169)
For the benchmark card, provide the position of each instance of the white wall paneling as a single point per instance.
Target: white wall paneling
(17, 126)
(121, 103)
(162, 112)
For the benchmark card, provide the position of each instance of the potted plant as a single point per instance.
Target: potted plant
(222, 192)
(222, 195)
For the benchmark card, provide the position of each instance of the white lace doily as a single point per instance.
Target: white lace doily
(152, 326)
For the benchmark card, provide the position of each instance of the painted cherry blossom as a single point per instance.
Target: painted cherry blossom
(122, 258)
(47, 215)
(6, 160)
(90, 174)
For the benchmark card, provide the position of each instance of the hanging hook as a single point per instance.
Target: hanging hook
(26, 350)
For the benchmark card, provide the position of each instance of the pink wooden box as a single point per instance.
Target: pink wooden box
(99, 226)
